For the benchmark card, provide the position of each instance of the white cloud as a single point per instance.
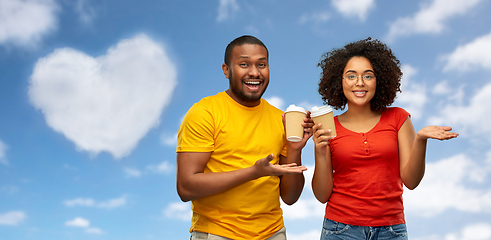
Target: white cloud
(413, 96)
(9, 189)
(480, 231)
(106, 103)
(85, 11)
(88, 202)
(252, 30)
(3, 150)
(314, 234)
(308, 106)
(431, 18)
(168, 140)
(78, 222)
(25, 22)
(474, 55)
(131, 172)
(83, 223)
(164, 167)
(444, 89)
(470, 119)
(276, 101)
(94, 231)
(315, 17)
(304, 208)
(226, 9)
(68, 167)
(178, 210)
(113, 203)
(474, 231)
(354, 8)
(12, 218)
(446, 186)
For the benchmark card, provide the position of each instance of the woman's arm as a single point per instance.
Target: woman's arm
(322, 181)
(412, 150)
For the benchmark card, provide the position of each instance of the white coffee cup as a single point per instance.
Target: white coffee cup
(294, 116)
(325, 116)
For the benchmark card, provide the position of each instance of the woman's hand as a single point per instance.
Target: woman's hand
(436, 132)
(321, 139)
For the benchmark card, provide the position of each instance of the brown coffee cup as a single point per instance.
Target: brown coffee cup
(294, 116)
(325, 116)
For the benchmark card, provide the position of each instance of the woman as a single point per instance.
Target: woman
(360, 173)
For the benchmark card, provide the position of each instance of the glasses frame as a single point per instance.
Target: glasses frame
(370, 83)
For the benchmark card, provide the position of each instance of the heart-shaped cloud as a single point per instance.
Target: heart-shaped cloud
(106, 103)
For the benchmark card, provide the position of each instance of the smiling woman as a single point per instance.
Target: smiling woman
(375, 151)
(357, 91)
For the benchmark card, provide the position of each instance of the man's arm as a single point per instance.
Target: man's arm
(193, 183)
(291, 186)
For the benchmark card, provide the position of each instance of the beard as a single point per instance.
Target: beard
(239, 91)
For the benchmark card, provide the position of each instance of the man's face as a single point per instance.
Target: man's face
(248, 74)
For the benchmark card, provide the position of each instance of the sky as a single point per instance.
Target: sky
(92, 93)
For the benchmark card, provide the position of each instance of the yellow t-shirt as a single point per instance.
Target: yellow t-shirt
(237, 136)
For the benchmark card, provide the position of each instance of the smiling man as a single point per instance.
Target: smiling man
(233, 160)
(247, 70)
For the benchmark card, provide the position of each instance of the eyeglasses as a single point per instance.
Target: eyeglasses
(352, 79)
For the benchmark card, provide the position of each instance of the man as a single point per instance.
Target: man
(233, 160)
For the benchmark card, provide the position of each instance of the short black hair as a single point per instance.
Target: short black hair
(245, 39)
(385, 65)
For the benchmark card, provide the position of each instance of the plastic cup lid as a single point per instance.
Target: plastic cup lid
(294, 139)
(318, 111)
(293, 108)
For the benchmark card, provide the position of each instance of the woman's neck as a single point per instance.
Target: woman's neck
(360, 113)
(359, 119)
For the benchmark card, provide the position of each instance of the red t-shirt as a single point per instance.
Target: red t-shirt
(367, 185)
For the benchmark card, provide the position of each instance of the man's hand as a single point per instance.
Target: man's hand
(307, 124)
(264, 167)
(194, 183)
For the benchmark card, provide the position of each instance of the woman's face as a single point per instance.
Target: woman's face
(359, 81)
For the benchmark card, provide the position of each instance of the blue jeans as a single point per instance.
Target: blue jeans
(332, 230)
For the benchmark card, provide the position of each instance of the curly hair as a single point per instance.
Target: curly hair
(385, 65)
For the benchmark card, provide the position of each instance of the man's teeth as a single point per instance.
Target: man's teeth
(252, 83)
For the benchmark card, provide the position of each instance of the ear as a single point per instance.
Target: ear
(226, 70)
